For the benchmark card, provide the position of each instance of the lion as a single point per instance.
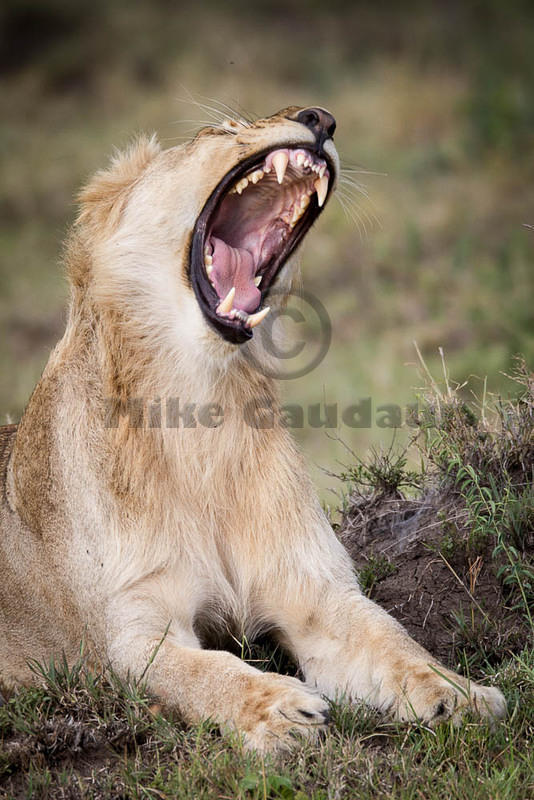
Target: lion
(131, 524)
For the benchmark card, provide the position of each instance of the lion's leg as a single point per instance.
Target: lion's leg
(268, 709)
(347, 645)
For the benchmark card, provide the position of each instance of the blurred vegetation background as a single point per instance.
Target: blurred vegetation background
(436, 97)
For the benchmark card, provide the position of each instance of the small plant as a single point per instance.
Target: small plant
(385, 472)
(450, 541)
(376, 568)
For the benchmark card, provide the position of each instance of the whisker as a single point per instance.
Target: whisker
(353, 192)
(249, 116)
(220, 110)
(207, 122)
(370, 216)
(350, 213)
(363, 172)
(239, 116)
(223, 115)
(350, 184)
(361, 213)
(215, 114)
(359, 168)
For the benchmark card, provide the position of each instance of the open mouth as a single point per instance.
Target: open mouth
(248, 228)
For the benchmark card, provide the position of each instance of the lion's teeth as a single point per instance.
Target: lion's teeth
(297, 213)
(322, 170)
(241, 185)
(280, 161)
(225, 306)
(257, 280)
(300, 159)
(255, 319)
(256, 176)
(304, 201)
(208, 262)
(321, 187)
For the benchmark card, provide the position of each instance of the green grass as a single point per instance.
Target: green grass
(84, 735)
(440, 105)
(93, 736)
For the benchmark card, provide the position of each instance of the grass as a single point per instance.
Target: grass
(83, 735)
(439, 105)
(451, 544)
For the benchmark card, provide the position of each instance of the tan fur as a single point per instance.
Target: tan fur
(115, 535)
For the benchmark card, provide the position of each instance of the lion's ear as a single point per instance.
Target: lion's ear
(104, 197)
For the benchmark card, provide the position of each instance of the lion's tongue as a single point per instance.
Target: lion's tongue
(234, 266)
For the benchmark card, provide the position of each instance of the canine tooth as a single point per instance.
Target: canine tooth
(300, 159)
(280, 161)
(255, 319)
(257, 280)
(225, 306)
(256, 176)
(321, 187)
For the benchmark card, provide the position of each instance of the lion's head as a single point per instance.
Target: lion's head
(216, 219)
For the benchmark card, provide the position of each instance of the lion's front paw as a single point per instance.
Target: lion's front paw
(433, 694)
(277, 710)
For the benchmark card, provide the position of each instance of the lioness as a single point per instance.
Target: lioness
(140, 535)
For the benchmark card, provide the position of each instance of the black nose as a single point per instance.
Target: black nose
(319, 121)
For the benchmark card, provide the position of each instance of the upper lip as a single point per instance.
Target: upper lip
(235, 328)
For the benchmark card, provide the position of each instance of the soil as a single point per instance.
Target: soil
(415, 560)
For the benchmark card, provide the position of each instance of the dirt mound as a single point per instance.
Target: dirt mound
(449, 599)
(449, 551)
